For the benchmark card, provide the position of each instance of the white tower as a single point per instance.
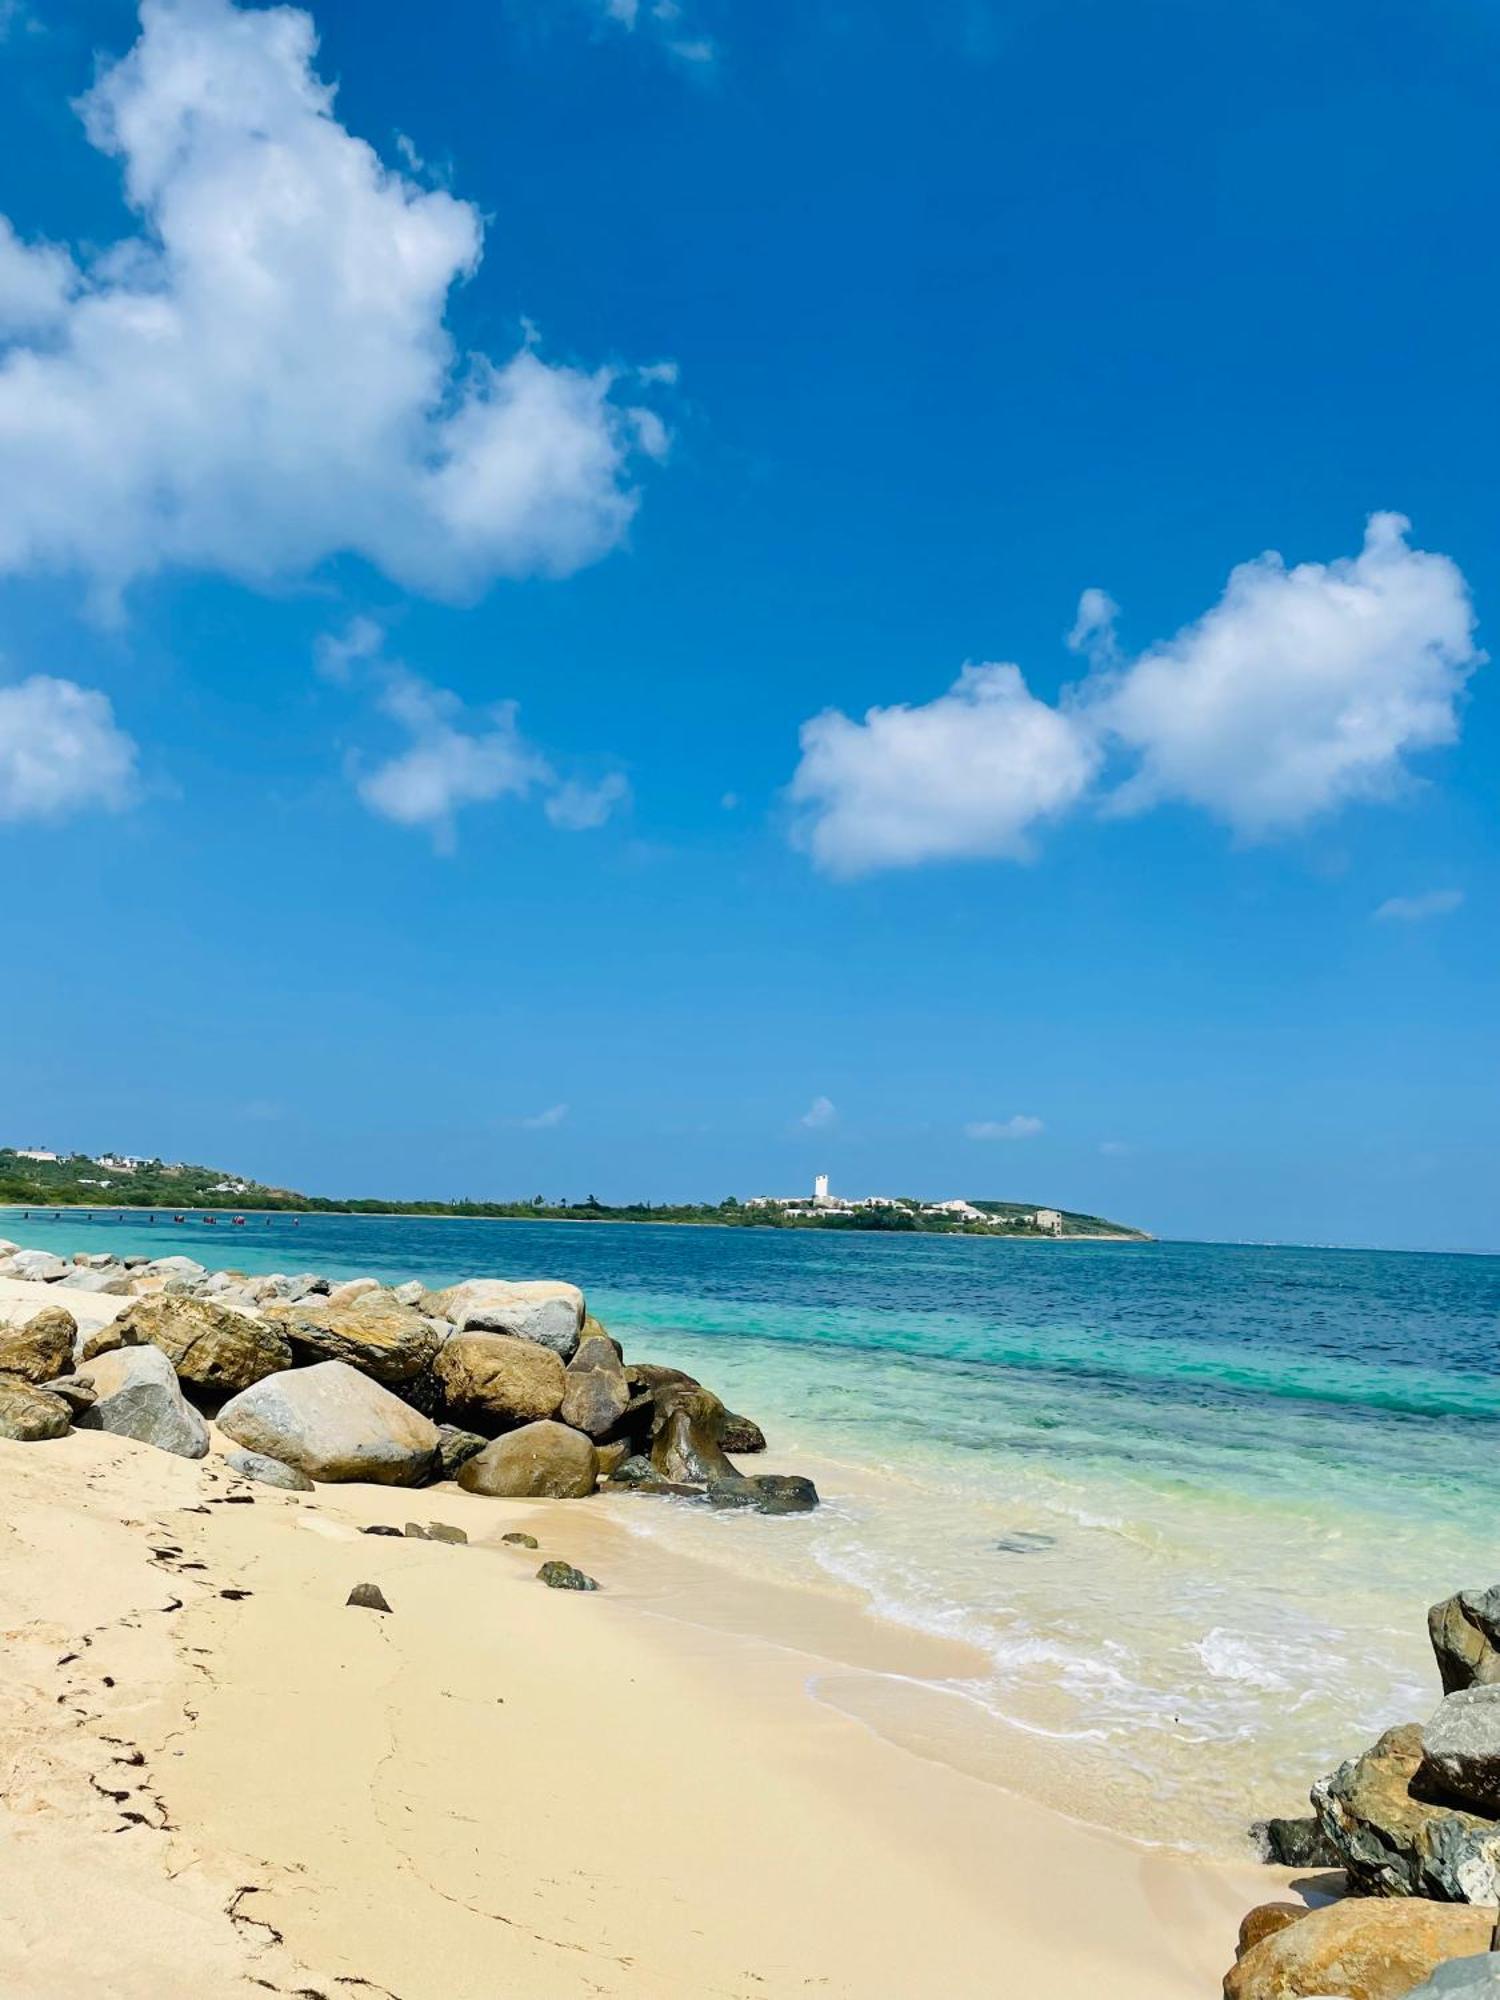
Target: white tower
(820, 1187)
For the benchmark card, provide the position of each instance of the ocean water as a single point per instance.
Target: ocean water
(1186, 1503)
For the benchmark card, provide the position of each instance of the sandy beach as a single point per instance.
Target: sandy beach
(498, 1788)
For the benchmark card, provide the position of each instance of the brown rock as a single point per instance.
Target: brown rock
(740, 1434)
(1391, 1843)
(612, 1457)
(596, 1394)
(368, 1597)
(495, 1381)
(372, 1332)
(215, 1351)
(1366, 1948)
(28, 1413)
(1465, 1635)
(685, 1438)
(42, 1348)
(1264, 1921)
(539, 1461)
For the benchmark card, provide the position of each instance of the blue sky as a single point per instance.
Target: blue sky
(536, 595)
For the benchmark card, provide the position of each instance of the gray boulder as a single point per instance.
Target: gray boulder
(112, 1283)
(95, 1260)
(1465, 1635)
(1462, 1979)
(544, 1461)
(333, 1423)
(40, 1348)
(492, 1381)
(38, 1267)
(1392, 1842)
(268, 1471)
(28, 1413)
(137, 1396)
(542, 1310)
(596, 1394)
(1461, 1751)
(77, 1391)
(351, 1289)
(175, 1267)
(411, 1293)
(372, 1332)
(1294, 1843)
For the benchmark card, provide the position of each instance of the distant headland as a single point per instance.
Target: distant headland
(38, 1176)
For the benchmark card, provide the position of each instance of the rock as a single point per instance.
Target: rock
(1025, 1542)
(1462, 1979)
(495, 1381)
(646, 1377)
(37, 1267)
(685, 1446)
(563, 1576)
(1465, 1635)
(135, 1263)
(113, 1284)
(780, 1493)
(740, 1434)
(520, 1541)
(544, 1311)
(368, 1597)
(439, 1531)
(411, 1293)
(636, 1470)
(77, 1391)
(381, 1528)
(137, 1396)
(1264, 1921)
(539, 1461)
(597, 1394)
(1363, 1948)
(268, 1471)
(215, 1350)
(1393, 1844)
(612, 1457)
(456, 1448)
(333, 1423)
(1461, 1751)
(595, 1329)
(306, 1285)
(28, 1413)
(175, 1267)
(374, 1333)
(41, 1348)
(1295, 1843)
(95, 1260)
(352, 1289)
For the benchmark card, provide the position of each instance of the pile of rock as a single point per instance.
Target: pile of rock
(511, 1388)
(1414, 1823)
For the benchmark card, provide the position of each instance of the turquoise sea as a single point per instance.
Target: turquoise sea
(1188, 1502)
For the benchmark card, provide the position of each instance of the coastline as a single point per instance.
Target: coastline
(497, 1784)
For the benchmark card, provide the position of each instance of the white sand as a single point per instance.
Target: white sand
(498, 1790)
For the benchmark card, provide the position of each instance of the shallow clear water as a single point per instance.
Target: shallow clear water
(1188, 1501)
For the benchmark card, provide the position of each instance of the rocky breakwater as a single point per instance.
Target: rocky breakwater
(512, 1389)
(1413, 1823)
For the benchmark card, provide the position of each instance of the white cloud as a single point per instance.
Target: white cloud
(578, 808)
(61, 752)
(453, 759)
(1416, 909)
(1114, 1149)
(970, 773)
(819, 1114)
(666, 20)
(262, 376)
(338, 654)
(543, 1121)
(1019, 1127)
(1299, 691)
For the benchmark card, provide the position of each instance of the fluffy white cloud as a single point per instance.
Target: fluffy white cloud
(262, 377)
(452, 760)
(819, 1114)
(1416, 909)
(1300, 690)
(970, 773)
(61, 752)
(1019, 1127)
(544, 1121)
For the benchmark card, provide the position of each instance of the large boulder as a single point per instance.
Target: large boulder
(1465, 1635)
(493, 1381)
(113, 1282)
(40, 1348)
(597, 1394)
(372, 1332)
(174, 1267)
(137, 1396)
(333, 1423)
(38, 1267)
(268, 1471)
(352, 1289)
(28, 1413)
(544, 1461)
(1360, 1949)
(685, 1437)
(1394, 1843)
(741, 1434)
(542, 1310)
(215, 1351)
(1461, 1751)
(1462, 1979)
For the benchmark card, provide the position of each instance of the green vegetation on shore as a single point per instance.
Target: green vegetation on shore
(76, 1181)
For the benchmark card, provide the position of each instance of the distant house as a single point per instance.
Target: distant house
(1049, 1221)
(35, 1153)
(120, 1163)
